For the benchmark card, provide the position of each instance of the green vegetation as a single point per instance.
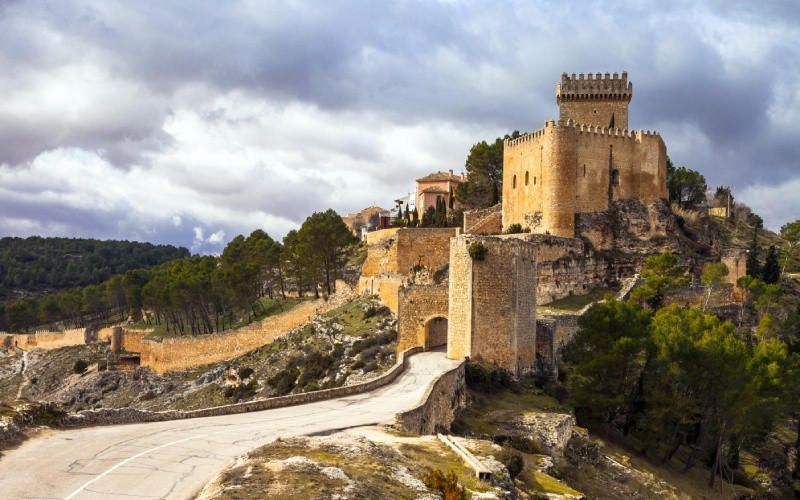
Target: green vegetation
(447, 485)
(484, 166)
(80, 366)
(477, 250)
(685, 186)
(679, 379)
(196, 295)
(36, 265)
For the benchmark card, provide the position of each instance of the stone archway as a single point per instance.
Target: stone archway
(434, 332)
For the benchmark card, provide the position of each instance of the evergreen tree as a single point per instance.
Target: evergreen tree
(414, 218)
(771, 271)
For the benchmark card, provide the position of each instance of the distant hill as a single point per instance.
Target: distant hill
(31, 267)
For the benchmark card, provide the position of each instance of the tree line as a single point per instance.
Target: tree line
(676, 377)
(202, 294)
(36, 265)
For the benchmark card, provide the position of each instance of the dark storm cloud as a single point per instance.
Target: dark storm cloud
(247, 113)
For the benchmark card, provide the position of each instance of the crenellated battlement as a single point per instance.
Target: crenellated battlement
(583, 129)
(594, 87)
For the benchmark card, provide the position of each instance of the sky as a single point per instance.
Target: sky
(190, 122)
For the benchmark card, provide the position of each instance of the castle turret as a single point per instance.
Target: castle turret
(558, 182)
(595, 99)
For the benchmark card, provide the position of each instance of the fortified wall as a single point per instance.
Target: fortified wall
(492, 306)
(181, 353)
(393, 254)
(422, 316)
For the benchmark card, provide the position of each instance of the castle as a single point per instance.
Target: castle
(554, 177)
(583, 184)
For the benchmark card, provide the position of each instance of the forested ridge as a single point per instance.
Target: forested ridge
(35, 266)
(201, 294)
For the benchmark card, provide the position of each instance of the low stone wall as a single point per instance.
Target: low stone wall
(182, 353)
(108, 416)
(445, 397)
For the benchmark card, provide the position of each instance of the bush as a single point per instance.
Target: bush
(512, 459)
(523, 444)
(514, 228)
(447, 485)
(486, 377)
(478, 251)
(245, 372)
(242, 391)
(371, 366)
(80, 366)
(370, 353)
(284, 381)
(316, 365)
(375, 310)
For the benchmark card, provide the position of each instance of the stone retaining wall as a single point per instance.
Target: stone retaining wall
(445, 397)
(109, 416)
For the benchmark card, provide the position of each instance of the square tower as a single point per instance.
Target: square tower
(601, 101)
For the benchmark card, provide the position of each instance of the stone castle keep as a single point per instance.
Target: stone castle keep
(582, 184)
(554, 178)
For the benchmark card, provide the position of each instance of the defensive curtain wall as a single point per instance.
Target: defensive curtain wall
(561, 170)
(492, 307)
(181, 353)
(393, 254)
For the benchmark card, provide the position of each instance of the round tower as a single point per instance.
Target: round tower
(558, 183)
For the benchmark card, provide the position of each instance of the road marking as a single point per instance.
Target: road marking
(72, 495)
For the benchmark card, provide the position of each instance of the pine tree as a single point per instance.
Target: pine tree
(414, 218)
(771, 271)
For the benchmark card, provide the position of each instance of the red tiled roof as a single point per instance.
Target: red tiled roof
(434, 189)
(440, 176)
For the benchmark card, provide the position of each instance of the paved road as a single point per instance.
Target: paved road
(175, 459)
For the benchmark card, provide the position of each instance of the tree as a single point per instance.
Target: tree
(771, 272)
(713, 276)
(687, 187)
(791, 233)
(484, 166)
(663, 277)
(751, 264)
(609, 354)
(323, 238)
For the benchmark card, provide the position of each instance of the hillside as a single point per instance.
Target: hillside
(35, 266)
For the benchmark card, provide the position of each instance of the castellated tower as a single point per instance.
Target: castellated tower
(595, 100)
(571, 177)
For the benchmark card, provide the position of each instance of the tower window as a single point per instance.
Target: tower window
(526, 178)
(615, 177)
(534, 180)
(514, 182)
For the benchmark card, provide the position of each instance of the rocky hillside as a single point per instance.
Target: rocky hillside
(343, 347)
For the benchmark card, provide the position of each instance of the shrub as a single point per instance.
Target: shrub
(316, 365)
(477, 250)
(244, 372)
(241, 391)
(448, 485)
(371, 366)
(370, 353)
(514, 228)
(375, 310)
(512, 459)
(284, 381)
(524, 444)
(488, 378)
(80, 366)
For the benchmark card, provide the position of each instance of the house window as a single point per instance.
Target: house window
(615, 177)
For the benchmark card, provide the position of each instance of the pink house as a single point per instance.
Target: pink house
(437, 185)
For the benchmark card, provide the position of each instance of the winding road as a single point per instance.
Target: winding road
(175, 459)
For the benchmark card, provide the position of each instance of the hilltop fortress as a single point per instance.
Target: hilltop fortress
(582, 189)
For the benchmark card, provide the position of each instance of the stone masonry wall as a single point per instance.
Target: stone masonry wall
(484, 221)
(385, 286)
(398, 250)
(181, 353)
(496, 299)
(418, 304)
(48, 340)
(446, 396)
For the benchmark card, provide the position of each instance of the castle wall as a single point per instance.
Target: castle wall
(49, 340)
(181, 353)
(570, 169)
(398, 250)
(385, 286)
(484, 221)
(418, 304)
(492, 310)
(595, 99)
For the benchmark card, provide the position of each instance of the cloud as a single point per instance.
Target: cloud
(119, 119)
